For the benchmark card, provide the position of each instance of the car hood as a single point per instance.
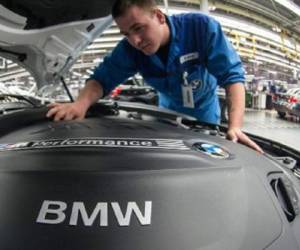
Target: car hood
(47, 44)
(116, 180)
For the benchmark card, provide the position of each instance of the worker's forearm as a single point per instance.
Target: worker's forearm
(235, 97)
(90, 94)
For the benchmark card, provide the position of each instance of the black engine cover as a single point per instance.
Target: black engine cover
(118, 183)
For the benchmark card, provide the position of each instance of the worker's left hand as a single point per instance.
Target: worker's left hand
(236, 135)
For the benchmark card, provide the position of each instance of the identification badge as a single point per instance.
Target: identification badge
(187, 96)
(189, 57)
(187, 92)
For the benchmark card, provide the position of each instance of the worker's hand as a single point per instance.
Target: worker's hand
(66, 111)
(236, 135)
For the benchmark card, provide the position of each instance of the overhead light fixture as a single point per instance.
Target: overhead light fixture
(111, 31)
(108, 39)
(95, 51)
(276, 29)
(273, 72)
(102, 45)
(98, 60)
(89, 71)
(212, 8)
(76, 73)
(243, 39)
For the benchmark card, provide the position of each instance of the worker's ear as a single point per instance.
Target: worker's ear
(160, 15)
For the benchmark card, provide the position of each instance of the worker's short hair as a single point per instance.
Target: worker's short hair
(121, 6)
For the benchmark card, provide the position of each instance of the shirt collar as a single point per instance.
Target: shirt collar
(173, 50)
(171, 27)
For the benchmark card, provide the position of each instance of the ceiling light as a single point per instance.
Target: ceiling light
(212, 8)
(276, 29)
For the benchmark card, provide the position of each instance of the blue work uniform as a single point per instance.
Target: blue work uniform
(198, 49)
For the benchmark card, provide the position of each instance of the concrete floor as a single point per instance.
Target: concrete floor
(266, 123)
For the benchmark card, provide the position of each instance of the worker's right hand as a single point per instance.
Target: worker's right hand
(66, 111)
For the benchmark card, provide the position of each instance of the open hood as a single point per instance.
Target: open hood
(46, 37)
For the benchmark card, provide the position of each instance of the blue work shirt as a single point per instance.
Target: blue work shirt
(199, 47)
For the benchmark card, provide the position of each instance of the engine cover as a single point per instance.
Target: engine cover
(118, 183)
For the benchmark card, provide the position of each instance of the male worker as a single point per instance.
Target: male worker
(185, 57)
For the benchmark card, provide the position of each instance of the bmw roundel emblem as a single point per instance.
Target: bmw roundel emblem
(212, 150)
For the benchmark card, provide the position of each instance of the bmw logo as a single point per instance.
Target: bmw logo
(212, 150)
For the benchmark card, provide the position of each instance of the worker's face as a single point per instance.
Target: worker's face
(145, 30)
